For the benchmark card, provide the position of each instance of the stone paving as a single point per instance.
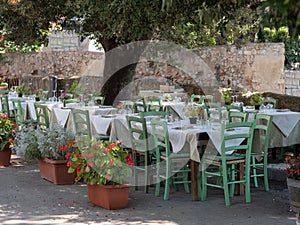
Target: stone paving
(26, 199)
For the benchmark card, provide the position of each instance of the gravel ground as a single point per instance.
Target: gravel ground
(25, 198)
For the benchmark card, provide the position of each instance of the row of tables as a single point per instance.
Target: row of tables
(285, 130)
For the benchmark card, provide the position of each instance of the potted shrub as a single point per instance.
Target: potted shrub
(76, 89)
(38, 94)
(105, 167)
(226, 94)
(49, 148)
(7, 132)
(256, 100)
(21, 89)
(293, 181)
(193, 111)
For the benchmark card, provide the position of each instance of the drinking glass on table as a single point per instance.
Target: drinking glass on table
(54, 96)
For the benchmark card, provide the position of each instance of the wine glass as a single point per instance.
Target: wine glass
(233, 96)
(60, 96)
(54, 95)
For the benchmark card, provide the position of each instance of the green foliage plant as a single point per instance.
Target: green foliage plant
(33, 143)
(21, 89)
(256, 99)
(26, 143)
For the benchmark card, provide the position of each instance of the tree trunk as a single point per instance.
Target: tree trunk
(119, 68)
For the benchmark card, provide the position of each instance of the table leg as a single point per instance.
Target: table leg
(194, 179)
(240, 188)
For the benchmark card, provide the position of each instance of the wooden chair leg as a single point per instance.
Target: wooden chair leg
(266, 178)
(254, 174)
(158, 181)
(204, 186)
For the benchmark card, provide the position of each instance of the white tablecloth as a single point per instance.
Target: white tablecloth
(183, 136)
(285, 121)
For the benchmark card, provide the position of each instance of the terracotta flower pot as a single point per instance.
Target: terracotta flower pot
(56, 171)
(294, 194)
(109, 196)
(5, 156)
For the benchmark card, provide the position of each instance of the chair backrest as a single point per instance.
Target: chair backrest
(42, 115)
(208, 98)
(213, 110)
(81, 119)
(138, 133)
(139, 104)
(99, 100)
(270, 100)
(151, 114)
(5, 105)
(18, 111)
(68, 101)
(263, 125)
(234, 138)
(159, 130)
(234, 116)
(234, 108)
(155, 104)
(197, 98)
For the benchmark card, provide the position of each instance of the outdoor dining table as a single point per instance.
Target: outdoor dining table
(285, 129)
(28, 106)
(183, 137)
(62, 115)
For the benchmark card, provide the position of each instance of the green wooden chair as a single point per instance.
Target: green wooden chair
(19, 115)
(141, 144)
(68, 101)
(81, 120)
(270, 100)
(42, 116)
(214, 111)
(82, 125)
(5, 106)
(139, 104)
(99, 100)
(234, 108)
(171, 167)
(155, 104)
(199, 99)
(226, 166)
(234, 116)
(259, 157)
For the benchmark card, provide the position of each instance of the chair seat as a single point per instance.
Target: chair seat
(230, 159)
(175, 156)
(102, 137)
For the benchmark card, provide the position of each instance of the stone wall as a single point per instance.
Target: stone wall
(35, 68)
(254, 67)
(292, 82)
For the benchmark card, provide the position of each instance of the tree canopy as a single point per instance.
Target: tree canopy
(192, 23)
